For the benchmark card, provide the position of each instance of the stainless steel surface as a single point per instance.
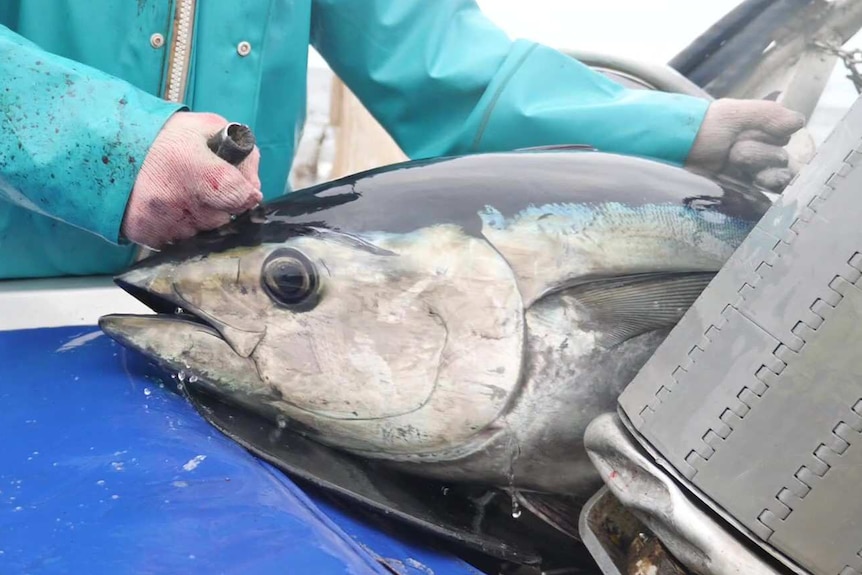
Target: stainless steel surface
(753, 398)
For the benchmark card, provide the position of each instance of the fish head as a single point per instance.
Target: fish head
(335, 330)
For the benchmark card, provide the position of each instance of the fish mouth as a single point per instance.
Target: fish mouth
(167, 306)
(153, 286)
(183, 339)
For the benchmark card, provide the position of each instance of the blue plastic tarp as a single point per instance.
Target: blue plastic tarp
(105, 470)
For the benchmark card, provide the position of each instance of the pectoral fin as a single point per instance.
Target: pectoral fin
(625, 307)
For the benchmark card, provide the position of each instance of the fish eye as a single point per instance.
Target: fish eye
(289, 278)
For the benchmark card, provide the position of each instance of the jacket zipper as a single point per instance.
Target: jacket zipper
(180, 55)
(178, 64)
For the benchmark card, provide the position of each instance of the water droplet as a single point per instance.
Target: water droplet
(515, 452)
(181, 375)
(180, 386)
(100, 482)
(55, 464)
(178, 311)
(35, 453)
(193, 379)
(19, 508)
(180, 484)
(117, 465)
(445, 491)
(147, 391)
(191, 556)
(275, 434)
(76, 378)
(115, 496)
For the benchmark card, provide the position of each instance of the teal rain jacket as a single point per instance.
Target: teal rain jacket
(86, 87)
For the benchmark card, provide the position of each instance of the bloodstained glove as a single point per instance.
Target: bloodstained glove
(183, 188)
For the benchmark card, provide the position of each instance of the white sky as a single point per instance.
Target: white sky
(650, 30)
(653, 30)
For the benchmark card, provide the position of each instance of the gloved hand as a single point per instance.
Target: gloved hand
(184, 188)
(744, 139)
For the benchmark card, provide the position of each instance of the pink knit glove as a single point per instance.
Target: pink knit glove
(184, 188)
(745, 139)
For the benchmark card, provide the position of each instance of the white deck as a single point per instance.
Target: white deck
(29, 304)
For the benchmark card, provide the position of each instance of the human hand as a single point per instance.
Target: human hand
(744, 139)
(183, 188)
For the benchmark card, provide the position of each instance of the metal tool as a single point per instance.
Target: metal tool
(233, 143)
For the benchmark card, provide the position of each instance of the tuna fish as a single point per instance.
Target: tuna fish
(459, 318)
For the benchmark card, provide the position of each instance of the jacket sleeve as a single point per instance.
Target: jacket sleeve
(73, 138)
(441, 78)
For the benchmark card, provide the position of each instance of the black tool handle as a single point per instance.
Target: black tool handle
(233, 143)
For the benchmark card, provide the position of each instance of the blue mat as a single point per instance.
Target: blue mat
(103, 470)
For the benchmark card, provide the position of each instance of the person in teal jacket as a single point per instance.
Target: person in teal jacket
(105, 107)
